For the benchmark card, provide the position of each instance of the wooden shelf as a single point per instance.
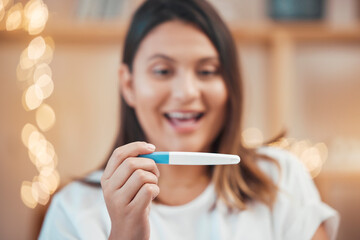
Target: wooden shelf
(114, 32)
(299, 32)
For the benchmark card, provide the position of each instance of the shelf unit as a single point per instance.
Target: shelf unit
(114, 31)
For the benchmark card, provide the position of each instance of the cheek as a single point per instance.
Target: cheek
(217, 95)
(148, 93)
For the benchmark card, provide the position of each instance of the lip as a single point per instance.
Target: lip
(184, 126)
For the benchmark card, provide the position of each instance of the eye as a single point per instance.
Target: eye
(208, 72)
(161, 72)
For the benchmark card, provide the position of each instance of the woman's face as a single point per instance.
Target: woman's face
(176, 89)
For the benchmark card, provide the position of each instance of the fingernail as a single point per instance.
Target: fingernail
(151, 147)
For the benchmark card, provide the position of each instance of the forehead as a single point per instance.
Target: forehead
(176, 39)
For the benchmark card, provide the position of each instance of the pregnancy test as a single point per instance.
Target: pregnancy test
(192, 158)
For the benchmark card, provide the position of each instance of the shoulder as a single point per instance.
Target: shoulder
(298, 201)
(289, 165)
(282, 156)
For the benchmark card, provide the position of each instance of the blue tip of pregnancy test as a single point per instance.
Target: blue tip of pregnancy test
(158, 157)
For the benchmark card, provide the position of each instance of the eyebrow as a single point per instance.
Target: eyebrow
(205, 59)
(161, 56)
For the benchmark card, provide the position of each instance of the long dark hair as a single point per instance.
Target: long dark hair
(235, 185)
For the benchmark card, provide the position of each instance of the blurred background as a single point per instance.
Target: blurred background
(59, 108)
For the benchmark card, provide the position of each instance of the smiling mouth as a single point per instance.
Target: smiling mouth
(184, 120)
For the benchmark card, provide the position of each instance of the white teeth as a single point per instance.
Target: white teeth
(180, 115)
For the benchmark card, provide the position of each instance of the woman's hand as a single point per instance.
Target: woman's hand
(129, 184)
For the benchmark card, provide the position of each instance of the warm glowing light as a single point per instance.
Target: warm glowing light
(323, 151)
(45, 117)
(14, 17)
(42, 151)
(40, 193)
(36, 13)
(35, 139)
(312, 160)
(48, 55)
(13, 21)
(24, 75)
(46, 170)
(33, 97)
(36, 48)
(42, 69)
(25, 61)
(51, 181)
(299, 147)
(5, 3)
(46, 85)
(313, 156)
(33, 69)
(26, 194)
(252, 137)
(45, 156)
(27, 130)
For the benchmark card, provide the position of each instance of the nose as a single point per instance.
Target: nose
(186, 88)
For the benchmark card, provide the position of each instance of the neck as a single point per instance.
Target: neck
(181, 184)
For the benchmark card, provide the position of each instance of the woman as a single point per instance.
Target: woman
(181, 91)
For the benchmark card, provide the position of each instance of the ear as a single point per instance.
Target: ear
(126, 85)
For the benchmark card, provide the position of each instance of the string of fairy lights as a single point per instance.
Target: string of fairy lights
(34, 78)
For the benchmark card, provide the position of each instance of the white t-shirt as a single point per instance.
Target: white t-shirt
(79, 212)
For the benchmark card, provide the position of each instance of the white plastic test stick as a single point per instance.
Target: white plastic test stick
(192, 158)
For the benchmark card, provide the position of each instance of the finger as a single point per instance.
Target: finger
(127, 168)
(134, 184)
(145, 195)
(121, 153)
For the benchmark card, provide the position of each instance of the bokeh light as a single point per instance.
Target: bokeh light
(36, 48)
(24, 75)
(323, 151)
(35, 140)
(27, 130)
(33, 97)
(45, 117)
(50, 179)
(313, 156)
(252, 137)
(44, 153)
(46, 169)
(14, 17)
(41, 69)
(34, 76)
(5, 4)
(40, 192)
(36, 14)
(46, 84)
(25, 61)
(26, 194)
(48, 55)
